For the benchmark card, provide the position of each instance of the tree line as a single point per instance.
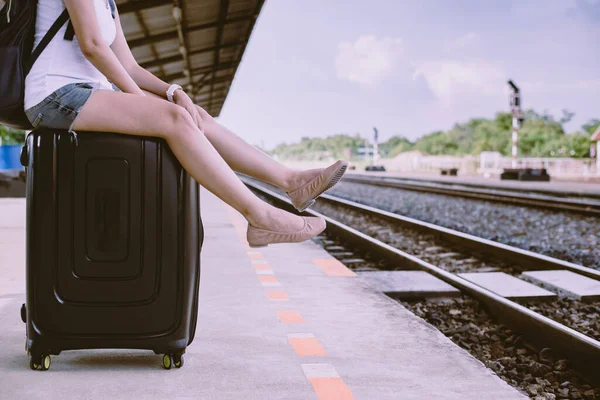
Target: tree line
(541, 135)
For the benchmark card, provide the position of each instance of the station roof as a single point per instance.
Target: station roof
(195, 43)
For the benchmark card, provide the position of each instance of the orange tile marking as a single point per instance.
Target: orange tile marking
(307, 346)
(331, 389)
(289, 316)
(278, 295)
(261, 266)
(332, 267)
(255, 255)
(267, 278)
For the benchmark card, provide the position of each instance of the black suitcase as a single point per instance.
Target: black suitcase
(113, 246)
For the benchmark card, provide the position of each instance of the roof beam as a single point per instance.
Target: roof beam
(259, 5)
(218, 80)
(198, 71)
(218, 40)
(133, 6)
(169, 35)
(200, 82)
(179, 57)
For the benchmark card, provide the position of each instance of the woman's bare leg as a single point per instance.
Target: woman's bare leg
(109, 111)
(247, 159)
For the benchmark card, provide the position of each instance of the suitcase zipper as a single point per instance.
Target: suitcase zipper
(8, 12)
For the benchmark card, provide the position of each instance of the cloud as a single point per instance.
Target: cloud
(451, 79)
(369, 60)
(578, 85)
(468, 40)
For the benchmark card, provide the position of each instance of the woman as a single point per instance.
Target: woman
(93, 83)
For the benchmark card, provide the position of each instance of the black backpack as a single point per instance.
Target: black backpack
(17, 30)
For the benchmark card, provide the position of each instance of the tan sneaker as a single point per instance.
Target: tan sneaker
(304, 196)
(258, 237)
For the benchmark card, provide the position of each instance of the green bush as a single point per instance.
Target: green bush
(10, 136)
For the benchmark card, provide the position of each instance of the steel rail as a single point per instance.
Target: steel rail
(496, 195)
(538, 329)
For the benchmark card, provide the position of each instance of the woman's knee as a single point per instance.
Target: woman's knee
(179, 122)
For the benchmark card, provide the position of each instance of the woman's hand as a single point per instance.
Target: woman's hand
(182, 99)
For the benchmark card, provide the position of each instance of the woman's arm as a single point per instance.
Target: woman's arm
(95, 49)
(145, 79)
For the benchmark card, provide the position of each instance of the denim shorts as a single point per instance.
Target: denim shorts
(60, 109)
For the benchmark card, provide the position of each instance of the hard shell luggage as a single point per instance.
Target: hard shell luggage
(113, 246)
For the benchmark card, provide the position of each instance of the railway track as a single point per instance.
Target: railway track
(541, 331)
(585, 206)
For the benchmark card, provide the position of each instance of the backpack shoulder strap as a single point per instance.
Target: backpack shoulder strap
(70, 32)
(60, 21)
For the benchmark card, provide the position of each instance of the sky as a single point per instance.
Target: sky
(410, 67)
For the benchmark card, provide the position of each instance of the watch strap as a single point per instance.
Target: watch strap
(171, 91)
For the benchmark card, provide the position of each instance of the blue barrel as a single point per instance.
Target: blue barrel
(9, 157)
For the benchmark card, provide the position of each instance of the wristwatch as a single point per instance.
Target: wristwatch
(171, 90)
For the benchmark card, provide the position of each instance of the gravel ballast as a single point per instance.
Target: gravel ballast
(539, 374)
(570, 237)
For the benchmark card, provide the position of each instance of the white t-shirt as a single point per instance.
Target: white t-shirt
(62, 61)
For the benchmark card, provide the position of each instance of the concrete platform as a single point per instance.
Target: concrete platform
(508, 286)
(409, 284)
(566, 283)
(286, 322)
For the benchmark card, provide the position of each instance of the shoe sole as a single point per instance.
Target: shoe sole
(257, 246)
(332, 182)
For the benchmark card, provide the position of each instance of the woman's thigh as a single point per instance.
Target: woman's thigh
(110, 111)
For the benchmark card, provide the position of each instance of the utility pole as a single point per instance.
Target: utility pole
(375, 146)
(596, 138)
(515, 107)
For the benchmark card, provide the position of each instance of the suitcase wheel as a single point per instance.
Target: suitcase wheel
(172, 360)
(42, 362)
(24, 313)
(168, 361)
(178, 361)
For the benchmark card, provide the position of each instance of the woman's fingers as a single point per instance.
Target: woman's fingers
(192, 113)
(196, 117)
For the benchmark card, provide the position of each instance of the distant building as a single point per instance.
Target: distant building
(596, 138)
(406, 161)
(361, 151)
